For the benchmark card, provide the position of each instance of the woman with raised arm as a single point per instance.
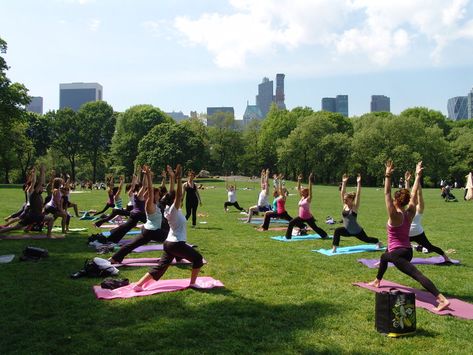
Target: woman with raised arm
(263, 203)
(156, 227)
(66, 196)
(351, 228)
(111, 192)
(232, 200)
(192, 197)
(118, 209)
(175, 245)
(401, 210)
(416, 232)
(305, 215)
(55, 205)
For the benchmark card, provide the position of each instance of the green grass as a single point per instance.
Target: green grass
(278, 297)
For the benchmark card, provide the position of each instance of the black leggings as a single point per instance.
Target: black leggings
(107, 206)
(342, 231)
(145, 237)
(173, 250)
(401, 259)
(191, 208)
(115, 212)
(422, 240)
(310, 222)
(284, 215)
(235, 204)
(118, 233)
(19, 212)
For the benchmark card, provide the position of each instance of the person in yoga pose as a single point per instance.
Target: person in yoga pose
(118, 209)
(232, 200)
(280, 210)
(111, 192)
(137, 214)
(401, 210)
(15, 217)
(34, 214)
(175, 245)
(55, 205)
(351, 204)
(156, 227)
(192, 197)
(416, 232)
(305, 215)
(263, 204)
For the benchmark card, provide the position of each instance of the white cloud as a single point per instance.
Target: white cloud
(94, 24)
(378, 30)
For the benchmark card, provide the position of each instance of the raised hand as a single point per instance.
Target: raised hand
(345, 178)
(311, 176)
(419, 168)
(389, 167)
(178, 171)
(299, 177)
(358, 179)
(407, 175)
(170, 171)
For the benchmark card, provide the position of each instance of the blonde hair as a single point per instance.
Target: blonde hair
(350, 195)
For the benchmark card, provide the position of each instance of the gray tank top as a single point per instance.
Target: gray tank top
(350, 223)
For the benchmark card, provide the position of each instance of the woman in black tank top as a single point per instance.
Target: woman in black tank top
(192, 197)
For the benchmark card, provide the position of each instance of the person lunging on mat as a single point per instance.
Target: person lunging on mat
(34, 214)
(280, 211)
(263, 204)
(305, 215)
(175, 245)
(401, 210)
(118, 209)
(351, 228)
(55, 205)
(232, 200)
(192, 197)
(156, 227)
(111, 192)
(416, 232)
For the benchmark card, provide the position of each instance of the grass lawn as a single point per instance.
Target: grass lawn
(278, 297)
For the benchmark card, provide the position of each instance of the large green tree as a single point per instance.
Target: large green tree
(171, 143)
(98, 124)
(132, 125)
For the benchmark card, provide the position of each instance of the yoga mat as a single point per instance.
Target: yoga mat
(151, 262)
(434, 260)
(297, 238)
(71, 230)
(112, 226)
(350, 250)
(260, 220)
(145, 248)
(5, 259)
(426, 300)
(154, 287)
(107, 233)
(31, 236)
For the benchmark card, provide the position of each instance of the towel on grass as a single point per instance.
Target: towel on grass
(426, 300)
(350, 250)
(434, 260)
(153, 287)
(71, 230)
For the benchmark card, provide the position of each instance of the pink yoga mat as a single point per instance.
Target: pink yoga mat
(434, 260)
(151, 262)
(426, 300)
(153, 287)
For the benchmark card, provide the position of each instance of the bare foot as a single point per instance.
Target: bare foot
(379, 245)
(138, 288)
(334, 249)
(375, 283)
(443, 303)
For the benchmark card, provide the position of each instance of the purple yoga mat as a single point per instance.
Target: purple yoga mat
(149, 247)
(153, 287)
(434, 260)
(151, 262)
(426, 300)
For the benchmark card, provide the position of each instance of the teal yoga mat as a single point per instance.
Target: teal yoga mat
(350, 250)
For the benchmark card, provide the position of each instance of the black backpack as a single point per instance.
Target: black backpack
(112, 284)
(33, 254)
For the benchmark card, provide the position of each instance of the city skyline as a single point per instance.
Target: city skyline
(186, 56)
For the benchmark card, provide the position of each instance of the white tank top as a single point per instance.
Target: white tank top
(416, 226)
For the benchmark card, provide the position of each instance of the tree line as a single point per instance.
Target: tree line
(96, 140)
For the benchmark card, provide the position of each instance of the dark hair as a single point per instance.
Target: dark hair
(137, 187)
(57, 183)
(115, 190)
(163, 190)
(402, 197)
(168, 198)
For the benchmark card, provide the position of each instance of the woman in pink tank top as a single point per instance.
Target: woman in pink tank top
(401, 211)
(305, 215)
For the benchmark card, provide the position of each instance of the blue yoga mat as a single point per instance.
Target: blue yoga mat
(107, 234)
(297, 238)
(350, 250)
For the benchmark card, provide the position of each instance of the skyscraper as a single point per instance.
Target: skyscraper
(457, 108)
(264, 99)
(470, 104)
(380, 103)
(279, 97)
(36, 105)
(74, 95)
(336, 104)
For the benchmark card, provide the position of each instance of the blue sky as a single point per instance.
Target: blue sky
(187, 55)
